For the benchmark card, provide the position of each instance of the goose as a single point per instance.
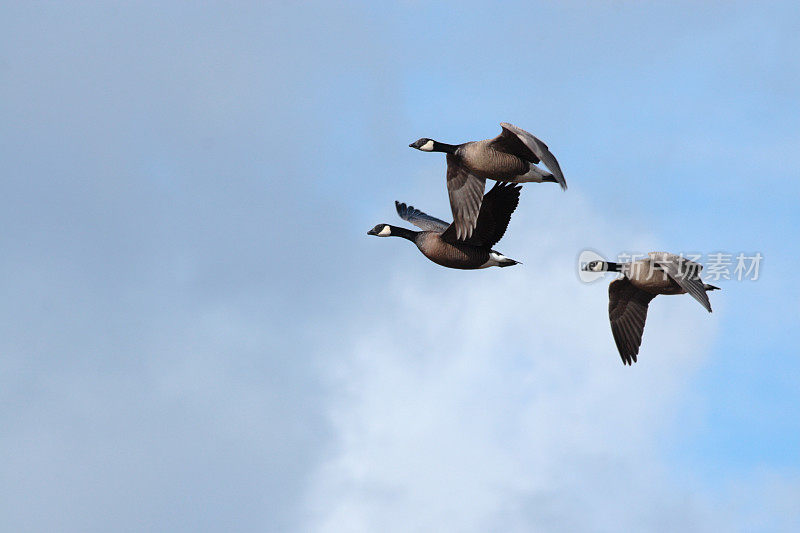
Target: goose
(641, 281)
(511, 156)
(437, 240)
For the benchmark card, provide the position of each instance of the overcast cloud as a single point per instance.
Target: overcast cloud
(197, 335)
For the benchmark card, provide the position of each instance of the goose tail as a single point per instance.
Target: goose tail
(507, 262)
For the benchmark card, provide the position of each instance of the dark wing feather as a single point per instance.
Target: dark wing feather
(519, 142)
(421, 220)
(687, 275)
(627, 311)
(466, 192)
(510, 143)
(495, 214)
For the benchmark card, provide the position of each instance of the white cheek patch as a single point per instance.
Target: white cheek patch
(427, 147)
(385, 232)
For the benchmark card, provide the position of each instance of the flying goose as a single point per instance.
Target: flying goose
(437, 240)
(511, 156)
(641, 281)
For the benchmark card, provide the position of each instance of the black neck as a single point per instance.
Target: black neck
(444, 147)
(404, 233)
(614, 267)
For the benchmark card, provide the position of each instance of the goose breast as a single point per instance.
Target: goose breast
(487, 162)
(649, 277)
(450, 255)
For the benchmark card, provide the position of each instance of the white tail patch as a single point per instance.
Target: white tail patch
(494, 260)
(534, 175)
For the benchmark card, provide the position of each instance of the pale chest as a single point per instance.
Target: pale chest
(489, 163)
(647, 276)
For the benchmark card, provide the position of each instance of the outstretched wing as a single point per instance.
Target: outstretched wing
(421, 220)
(517, 141)
(494, 216)
(627, 311)
(685, 273)
(466, 192)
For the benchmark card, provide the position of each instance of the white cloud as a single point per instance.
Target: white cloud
(495, 401)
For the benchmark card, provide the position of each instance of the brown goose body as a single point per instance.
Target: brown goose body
(650, 277)
(452, 254)
(511, 157)
(437, 241)
(630, 295)
(488, 163)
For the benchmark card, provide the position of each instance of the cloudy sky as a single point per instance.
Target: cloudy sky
(197, 335)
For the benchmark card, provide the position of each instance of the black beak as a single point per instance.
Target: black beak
(412, 145)
(371, 232)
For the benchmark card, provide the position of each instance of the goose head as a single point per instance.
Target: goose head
(595, 266)
(381, 230)
(602, 266)
(424, 144)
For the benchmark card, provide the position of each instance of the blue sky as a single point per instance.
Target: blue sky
(196, 334)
